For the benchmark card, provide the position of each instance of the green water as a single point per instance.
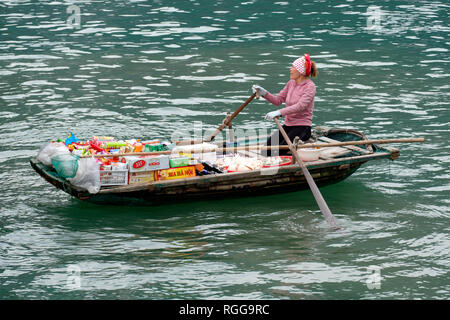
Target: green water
(155, 69)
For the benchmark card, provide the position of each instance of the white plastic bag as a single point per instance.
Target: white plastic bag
(88, 175)
(49, 150)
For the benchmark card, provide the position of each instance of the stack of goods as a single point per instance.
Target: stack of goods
(115, 162)
(144, 169)
(190, 161)
(198, 159)
(121, 170)
(110, 145)
(116, 167)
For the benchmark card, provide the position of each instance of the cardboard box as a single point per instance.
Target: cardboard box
(176, 173)
(137, 164)
(202, 152)
(142, 177)
(205, 156)
(157, 162)
(196, 148)
(148, 163)
(179, 162)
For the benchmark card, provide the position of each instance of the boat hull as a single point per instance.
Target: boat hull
(289, 179)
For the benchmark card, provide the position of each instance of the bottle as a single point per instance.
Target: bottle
(138, 147)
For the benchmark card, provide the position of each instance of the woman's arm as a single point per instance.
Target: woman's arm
(279, 98)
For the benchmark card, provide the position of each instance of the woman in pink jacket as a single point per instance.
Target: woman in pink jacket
(298, 94)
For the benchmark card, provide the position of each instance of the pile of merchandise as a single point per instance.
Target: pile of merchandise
(106, 161)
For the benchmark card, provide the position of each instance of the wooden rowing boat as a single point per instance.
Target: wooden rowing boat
(326, 170)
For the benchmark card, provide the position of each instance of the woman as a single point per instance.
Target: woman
(298, 94)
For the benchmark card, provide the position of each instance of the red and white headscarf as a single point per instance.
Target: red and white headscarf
(303, 65)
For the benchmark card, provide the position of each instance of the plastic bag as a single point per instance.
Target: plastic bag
(88, 175)
(50, 150)
(66, 165)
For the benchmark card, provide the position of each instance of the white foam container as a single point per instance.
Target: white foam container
(196, 148)
(309, 154)
(206, 156)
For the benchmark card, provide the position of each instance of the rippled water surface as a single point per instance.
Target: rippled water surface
(152, 69)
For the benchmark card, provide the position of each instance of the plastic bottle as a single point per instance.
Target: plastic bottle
(138, 147)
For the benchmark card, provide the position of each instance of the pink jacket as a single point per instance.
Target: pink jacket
(299, 100)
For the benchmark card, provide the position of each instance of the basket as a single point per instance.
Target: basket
(113, 177)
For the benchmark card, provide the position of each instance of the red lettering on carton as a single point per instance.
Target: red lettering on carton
(139, 164)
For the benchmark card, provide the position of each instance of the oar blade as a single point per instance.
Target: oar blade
(312, 185)
(326, 212)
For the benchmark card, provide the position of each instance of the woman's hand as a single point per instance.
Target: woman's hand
(261, 91)
(272, 115)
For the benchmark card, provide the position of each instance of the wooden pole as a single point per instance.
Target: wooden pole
(224, 124)
(325, 145)
(230, 130)
(315, 190)
(235, 113)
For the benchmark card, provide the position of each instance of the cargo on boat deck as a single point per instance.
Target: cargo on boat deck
(148, 163)
(202, 151)
(142, 177)
(177, 173)
(181, 161)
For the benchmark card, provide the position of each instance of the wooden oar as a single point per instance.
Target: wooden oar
(224, 124)
(229, 119)
(263, 147)
(315, 190)
(324, 145)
